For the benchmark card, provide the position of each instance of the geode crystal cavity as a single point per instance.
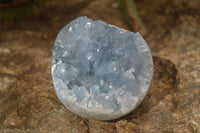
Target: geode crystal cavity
(100, 71)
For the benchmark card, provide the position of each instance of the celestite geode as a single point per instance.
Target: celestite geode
(100, 71)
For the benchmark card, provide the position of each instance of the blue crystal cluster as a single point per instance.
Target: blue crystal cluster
(100, 71)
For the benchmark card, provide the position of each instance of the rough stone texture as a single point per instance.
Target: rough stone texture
(28, 102)
(100, 71)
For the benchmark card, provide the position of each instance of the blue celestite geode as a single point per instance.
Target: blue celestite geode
(100, 71)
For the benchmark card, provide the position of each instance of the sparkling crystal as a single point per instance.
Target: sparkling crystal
(100, 71)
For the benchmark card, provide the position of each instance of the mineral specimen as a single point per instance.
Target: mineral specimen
(100, 71)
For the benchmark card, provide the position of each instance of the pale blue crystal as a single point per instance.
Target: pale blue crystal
(100, 71)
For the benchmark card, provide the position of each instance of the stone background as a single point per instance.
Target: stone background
(28, 102)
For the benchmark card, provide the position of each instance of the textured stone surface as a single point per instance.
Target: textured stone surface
(28, 102)
(100, 71)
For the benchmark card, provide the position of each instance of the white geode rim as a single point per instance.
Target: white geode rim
(99, 112)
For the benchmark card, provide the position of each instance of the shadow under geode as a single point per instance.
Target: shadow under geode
(164, 82)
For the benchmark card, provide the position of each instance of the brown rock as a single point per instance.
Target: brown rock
(14, 120)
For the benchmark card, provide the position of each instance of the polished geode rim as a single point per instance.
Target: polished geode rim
(66, 96)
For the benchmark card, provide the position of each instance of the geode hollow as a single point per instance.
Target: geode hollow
(100, 71)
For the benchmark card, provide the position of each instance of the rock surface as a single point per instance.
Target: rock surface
(28, 102)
